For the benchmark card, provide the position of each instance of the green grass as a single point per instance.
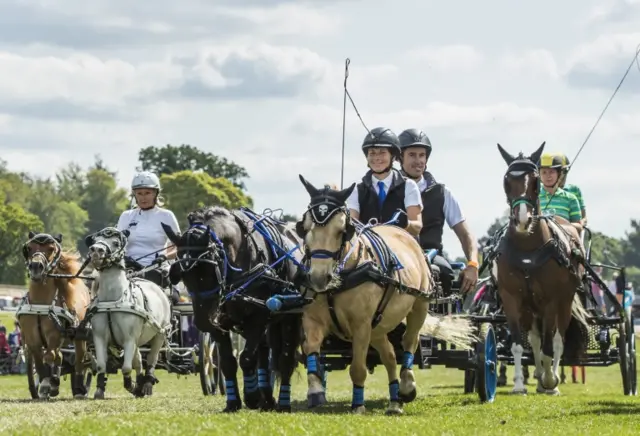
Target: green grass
(7, 318)
(179, 408)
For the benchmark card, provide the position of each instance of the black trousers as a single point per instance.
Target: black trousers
(446, 273)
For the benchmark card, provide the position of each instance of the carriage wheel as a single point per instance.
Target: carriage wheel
(469, 381)
(32, 375)
(487, 360)
(211, 377)
(627, 351)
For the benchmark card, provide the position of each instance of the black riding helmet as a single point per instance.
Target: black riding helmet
(414, 138)
(382, 137)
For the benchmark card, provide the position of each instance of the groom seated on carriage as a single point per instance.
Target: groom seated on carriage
(440, 206)
(553, 199)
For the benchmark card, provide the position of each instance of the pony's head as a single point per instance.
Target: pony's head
(325, 228)
(522, 185)
(41, 254)
(205, 251)
(106, 247)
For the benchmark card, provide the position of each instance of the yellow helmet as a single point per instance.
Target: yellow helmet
(551, 160)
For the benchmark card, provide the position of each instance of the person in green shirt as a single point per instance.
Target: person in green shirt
(574, 189)
(553, 199)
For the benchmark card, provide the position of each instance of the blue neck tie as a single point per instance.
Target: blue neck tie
(381, 193)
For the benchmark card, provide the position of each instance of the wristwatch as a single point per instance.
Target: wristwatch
(473, 263)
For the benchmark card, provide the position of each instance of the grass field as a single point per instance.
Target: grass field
(178, 408)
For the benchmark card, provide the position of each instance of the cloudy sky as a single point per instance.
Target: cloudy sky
(260, 82)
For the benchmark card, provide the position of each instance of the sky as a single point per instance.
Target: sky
(261, 83)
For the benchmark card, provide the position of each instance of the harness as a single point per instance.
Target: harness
(384, 272)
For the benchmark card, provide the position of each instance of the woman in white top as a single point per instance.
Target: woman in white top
(147, 240)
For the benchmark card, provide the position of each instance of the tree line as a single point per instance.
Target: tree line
(78, 201)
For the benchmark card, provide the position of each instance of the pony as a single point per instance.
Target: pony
(66, 299)
(126, 312)
(538, 269)
(365, 284)
(231, 263)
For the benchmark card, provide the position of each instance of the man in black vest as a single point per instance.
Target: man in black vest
(439, 206)
(383, 189)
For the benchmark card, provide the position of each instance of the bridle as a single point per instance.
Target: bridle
(517, 169)
(111, 257)
(48, 266)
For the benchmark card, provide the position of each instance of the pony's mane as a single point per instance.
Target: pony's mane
(69, 263)
(206, 214)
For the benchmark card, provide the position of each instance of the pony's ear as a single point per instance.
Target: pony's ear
(508, 158)
(32, 234)
(175, 275)
(535, 156)
(126, 233)
(312, 190)
(173, 236)
(89, 240)
(58, 238)
(345, 193)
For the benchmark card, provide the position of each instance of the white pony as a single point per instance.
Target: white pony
(125, 313)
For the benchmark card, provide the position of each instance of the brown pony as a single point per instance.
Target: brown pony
(44, 256)
(538, 271)
(362, 302)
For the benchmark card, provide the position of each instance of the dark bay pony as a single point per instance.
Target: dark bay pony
(231, 262)
(539, 271)
(66, 298)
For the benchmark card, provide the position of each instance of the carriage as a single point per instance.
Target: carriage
(610, 337)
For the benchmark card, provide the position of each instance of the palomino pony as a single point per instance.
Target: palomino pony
(231, 263)
(538, 271)
(126, 313)
(66, 298)
(385, 280)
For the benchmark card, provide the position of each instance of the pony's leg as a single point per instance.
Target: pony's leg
(358, 368)
(129, 352)
(249, 365)
(267, 402)
(415, 320)
(512, 310)
(152, 360)
(79, 390)
(48, 387)
(229, 369)
(388, 357)
(502, 378)
(315, 331)
(549, 379)
(285, 358)
(100, 347)
(536, 347)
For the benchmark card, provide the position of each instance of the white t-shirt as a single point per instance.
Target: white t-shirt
(146, 233)
(411, 192)
(451, 209)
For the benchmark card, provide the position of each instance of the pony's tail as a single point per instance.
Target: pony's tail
(578, 311)
(456, 330)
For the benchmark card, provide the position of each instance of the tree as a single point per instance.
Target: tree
(186, 191)
(169, 159)
(496, 225)
(632, 246)
(15, 225)
(290, 218)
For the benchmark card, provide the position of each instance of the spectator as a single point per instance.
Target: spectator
(598, 292)
(15, 337)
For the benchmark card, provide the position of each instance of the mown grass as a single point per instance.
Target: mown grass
(179, 408)
(7, 318)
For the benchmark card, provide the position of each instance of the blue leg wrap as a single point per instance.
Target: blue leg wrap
(263, 379)
(312, 364)
(250, 383)
(284, 399)
(358, 396)
(394, 391)
(407, 360)
(232, 394)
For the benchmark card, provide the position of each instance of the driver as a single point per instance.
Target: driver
(553, 199)
(440, 206)
(571, 187)
(383, 189)
(147, 238)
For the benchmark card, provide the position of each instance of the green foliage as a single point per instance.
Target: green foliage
(15, 224)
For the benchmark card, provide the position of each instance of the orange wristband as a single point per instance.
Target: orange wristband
(473, 263)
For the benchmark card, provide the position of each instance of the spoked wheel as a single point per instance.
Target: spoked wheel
(32, 375)
(627, 351)
(487, 369)
(469, 381)
(211, 377)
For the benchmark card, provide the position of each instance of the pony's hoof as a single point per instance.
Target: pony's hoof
(408, 397)
(267, 404)
(395, 408)
(252, 400)
(553, 392)
(283, 409)
(128, 384)
(316, 399)
(98, 395)
(502, 381)
(358, 410)
(520, 391)
(147, 389)
(80, 397)
(232, 406)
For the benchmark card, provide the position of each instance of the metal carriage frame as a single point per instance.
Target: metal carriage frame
(609, 338)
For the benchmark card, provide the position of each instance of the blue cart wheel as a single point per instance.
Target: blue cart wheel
(487, 364)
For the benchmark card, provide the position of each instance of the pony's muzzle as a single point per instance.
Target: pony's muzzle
(320, 281)
(36, 270)
(97, 252)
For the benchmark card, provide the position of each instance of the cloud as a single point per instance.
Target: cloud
(531, 63)
(615, 11)
(601, 63)
(447, 58)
